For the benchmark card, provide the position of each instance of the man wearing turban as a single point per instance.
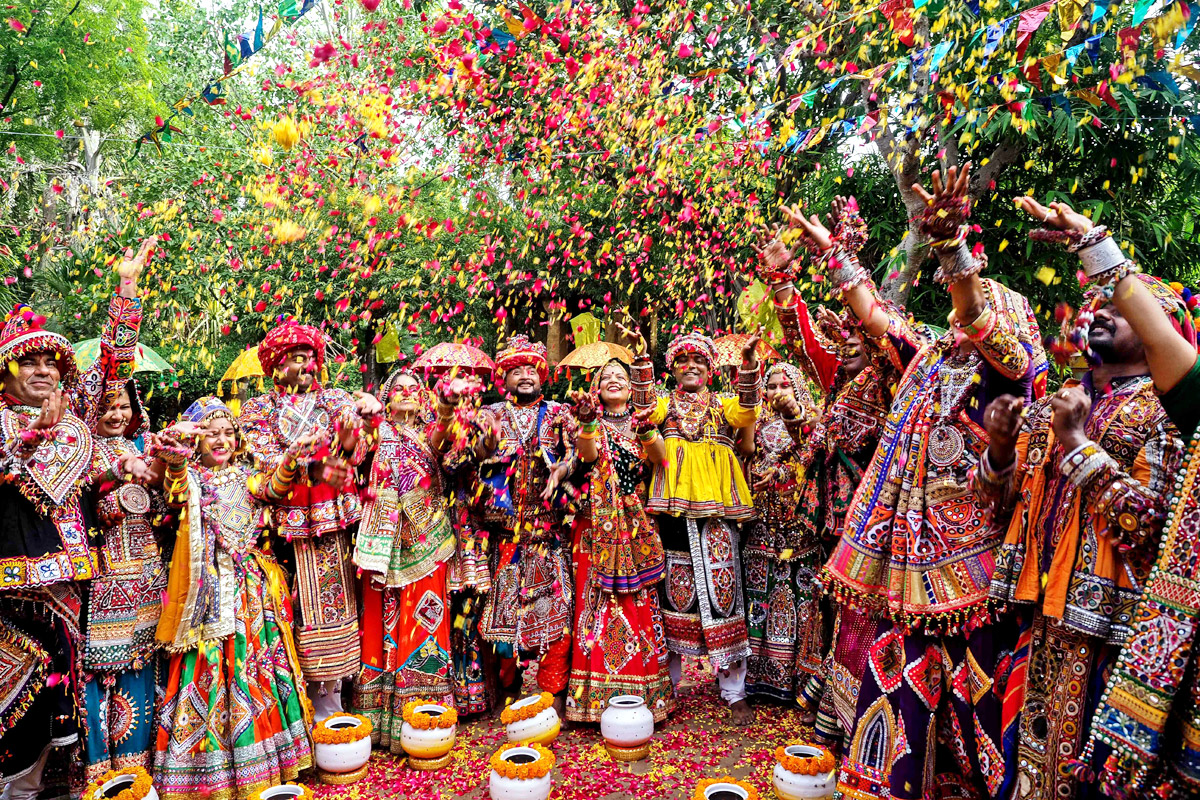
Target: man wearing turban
(319, 514)
(1078, 482)
(699, 495)
(524, 452)
(48, 460)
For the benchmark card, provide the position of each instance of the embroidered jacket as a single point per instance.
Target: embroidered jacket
(405, 531)
(916, 544)
(530, 440)
(1086, 522)
(270, 423)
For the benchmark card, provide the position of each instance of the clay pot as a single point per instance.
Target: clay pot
(119, 784)
(541, 729)
(502, 788)
(792, 786)
(627, 727)
(343, 757)
(428, 748)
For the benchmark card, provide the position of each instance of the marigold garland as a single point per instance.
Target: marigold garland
(425, 721)
(510, 715)
(136, 791)
(751, 792)
(305, 792)
(819, 764)
(522, 772)
(323, 734)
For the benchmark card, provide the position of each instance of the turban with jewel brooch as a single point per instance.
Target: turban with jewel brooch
(694, 342)
(288, 336)
(22, 334)
(518, 351)
(1178, 303)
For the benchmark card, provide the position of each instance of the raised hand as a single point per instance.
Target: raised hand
(585, 408)
(349, 428)
(557, 473)
(786, 406)
(1071, 406)
(1002, 421)
(948, 206)
(812, 227)
(176, 444)
(54, 408)
(304, 448)
(637, 342)
(750, 349)
(133, 467)
(367, 404)
(131, 267)
(1058, 216)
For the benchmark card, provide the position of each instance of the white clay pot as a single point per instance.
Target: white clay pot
(427, 743)
(541, 729)
(502, 788)
(282, 793)
(627, 722)
(121, 783)
(343, 756)
(725, 791)
(791, 786)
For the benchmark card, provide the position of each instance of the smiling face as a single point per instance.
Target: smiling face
(856, 360)
(35, 378)
(524, 383)
(219, 442)
(1112, 339)
(116, 417)
(404, 398)
(691, 371)
(777, 384)
(614, 387)
(298, 370)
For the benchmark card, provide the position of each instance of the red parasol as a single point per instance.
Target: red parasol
(446, 356)
(729, 349)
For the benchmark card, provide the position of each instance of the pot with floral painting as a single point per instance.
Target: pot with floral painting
(521, 772)
(532, 719)
(804, 772)
(428, 733)
(342, 748)
(130, 783)
(627, 727)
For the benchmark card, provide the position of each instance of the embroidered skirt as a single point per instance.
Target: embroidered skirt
(530, 605)
(231, 723)
(327, 631)
(620, 647)
(120, 713)
(703, 608)
(405, 653)
(784, 615)
(928, 717)
(471, 658)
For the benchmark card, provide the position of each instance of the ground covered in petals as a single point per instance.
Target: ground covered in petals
(697, 742)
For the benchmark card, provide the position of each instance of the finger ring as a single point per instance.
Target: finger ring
(1046, 216)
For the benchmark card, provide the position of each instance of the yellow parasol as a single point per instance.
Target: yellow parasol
(595, 355)
(244, 366)
(729, 349)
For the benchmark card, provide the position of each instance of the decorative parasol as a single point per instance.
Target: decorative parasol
(594, 355)
(144, 360)
(446, 356)
(729, 349)
(244, 366)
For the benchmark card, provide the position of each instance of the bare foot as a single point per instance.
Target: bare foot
(560, 708)
(741, 714)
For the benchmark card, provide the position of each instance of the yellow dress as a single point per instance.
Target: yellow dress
(702, 476)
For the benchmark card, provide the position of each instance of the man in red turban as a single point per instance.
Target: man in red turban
(323, 508)
(49, 458)
(523, 454)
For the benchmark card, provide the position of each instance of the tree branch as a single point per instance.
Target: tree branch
(1005, 153)
(12, 87)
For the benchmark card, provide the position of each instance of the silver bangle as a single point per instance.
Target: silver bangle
(1102, 256)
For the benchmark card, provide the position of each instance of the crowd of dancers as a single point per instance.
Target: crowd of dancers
(972, 588)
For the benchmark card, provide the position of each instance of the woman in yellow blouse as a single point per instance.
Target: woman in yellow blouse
(699, 493)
